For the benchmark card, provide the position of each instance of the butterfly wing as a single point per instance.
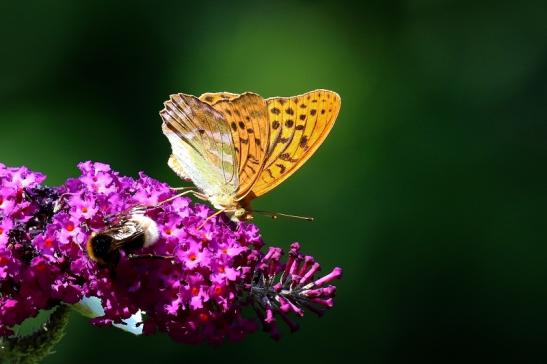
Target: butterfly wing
(298, 125)
(247, 116)
(213, 97)
(202, 145)
(177, 167)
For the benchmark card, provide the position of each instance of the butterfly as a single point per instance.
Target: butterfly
(236, 147)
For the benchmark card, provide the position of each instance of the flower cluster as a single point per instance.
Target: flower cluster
(277, 288)
(212, 271)
(27, 280)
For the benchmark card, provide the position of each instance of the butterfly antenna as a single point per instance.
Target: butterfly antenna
(275, 215)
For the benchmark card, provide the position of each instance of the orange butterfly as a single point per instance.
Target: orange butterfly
(236, 147)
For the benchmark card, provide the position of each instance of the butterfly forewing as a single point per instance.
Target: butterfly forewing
(213, 97)
(202, 144)
(247, 117)
(298, 127)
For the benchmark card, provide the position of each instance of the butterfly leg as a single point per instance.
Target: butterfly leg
(195, 193)
(182, 188)
(149, 256)
(209, 218)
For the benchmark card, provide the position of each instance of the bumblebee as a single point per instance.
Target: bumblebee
(130, 231)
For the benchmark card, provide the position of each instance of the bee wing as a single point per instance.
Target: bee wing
(125, 231)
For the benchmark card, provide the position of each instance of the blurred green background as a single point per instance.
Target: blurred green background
(430, 191)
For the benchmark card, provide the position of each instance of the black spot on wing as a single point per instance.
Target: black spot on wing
(282, 168)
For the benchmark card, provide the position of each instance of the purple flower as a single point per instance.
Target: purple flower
(277, 289)
(196, 293)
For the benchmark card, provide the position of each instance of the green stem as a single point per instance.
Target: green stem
(31, 349)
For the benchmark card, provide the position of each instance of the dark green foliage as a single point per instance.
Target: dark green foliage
(430, 192)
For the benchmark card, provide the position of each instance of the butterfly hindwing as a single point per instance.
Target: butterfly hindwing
(177, 167)
(202, 145)
(298, 126)
(212, 98)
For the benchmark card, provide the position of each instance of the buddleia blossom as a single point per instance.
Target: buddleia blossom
(277, 289)
(210, 273)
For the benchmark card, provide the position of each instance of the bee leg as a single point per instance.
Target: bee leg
(58, 206)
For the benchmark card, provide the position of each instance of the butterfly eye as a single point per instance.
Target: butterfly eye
(239, 212)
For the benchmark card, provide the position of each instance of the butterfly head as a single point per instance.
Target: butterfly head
(241, 210)
(236, 212)
(241, 214)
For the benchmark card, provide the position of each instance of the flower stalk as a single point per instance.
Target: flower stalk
(35, 347)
